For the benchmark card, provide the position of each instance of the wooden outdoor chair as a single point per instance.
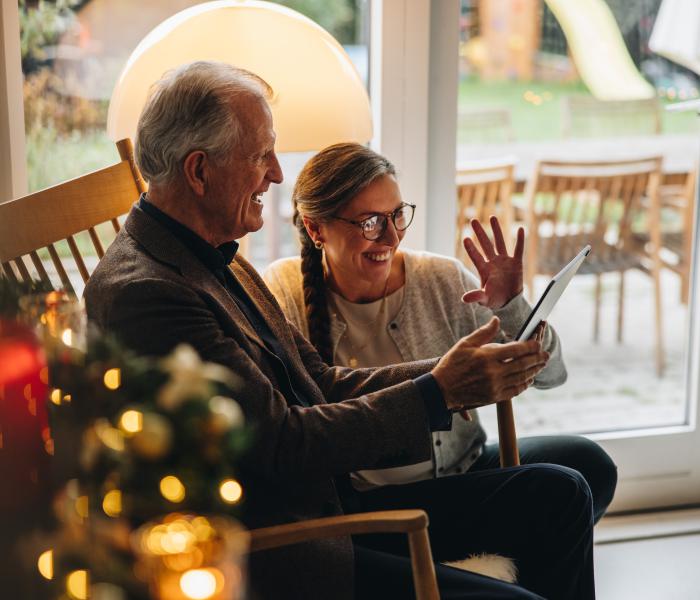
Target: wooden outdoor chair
(586, 116)
(484, 188)
(604, 204)
(677, 200)
(58, 234)
(414, 523)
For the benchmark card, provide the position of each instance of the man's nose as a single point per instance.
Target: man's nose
(274, 172)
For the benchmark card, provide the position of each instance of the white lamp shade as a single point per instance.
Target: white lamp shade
(319, 98)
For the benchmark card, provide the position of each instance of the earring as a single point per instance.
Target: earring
(318, 244)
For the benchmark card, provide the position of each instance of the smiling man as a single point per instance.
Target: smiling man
(205, 143)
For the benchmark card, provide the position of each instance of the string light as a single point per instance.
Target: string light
(172, 489)
(200, 584)
(77, 584)
(113, 379)
(45, 564)
(230, 491)
(112, 503)
(131, 422)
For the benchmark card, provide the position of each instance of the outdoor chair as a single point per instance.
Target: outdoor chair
(677, 202)
(484, 188)
(604, 204)
(586, 116)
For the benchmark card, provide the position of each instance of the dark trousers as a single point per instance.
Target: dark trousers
(541, 515)
(572, 451)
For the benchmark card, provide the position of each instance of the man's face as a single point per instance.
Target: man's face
(238, 181)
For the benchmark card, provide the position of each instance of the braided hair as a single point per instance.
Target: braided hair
(325, 185)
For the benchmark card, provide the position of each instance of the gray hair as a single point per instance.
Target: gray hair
(189, 109)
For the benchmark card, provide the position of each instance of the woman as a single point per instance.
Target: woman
(364, 302)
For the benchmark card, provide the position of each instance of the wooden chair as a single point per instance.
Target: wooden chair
(603, 204)
(62, 213)
(586, 116)
(677, 202)
(58, 234)
(414, 523)
(484, 188)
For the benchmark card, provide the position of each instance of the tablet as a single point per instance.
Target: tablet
(550, 296)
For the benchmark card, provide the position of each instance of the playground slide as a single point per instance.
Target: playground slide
(599, 51)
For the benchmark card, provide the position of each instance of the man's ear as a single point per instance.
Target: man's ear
(195, 168)
(312, 228)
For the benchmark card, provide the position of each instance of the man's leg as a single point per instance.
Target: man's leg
(539, 515)
(380, 576)
(573, 451)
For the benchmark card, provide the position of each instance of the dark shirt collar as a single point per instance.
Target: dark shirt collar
(215, 259)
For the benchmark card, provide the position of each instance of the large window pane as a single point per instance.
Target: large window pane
(72, 53)
(527, 92)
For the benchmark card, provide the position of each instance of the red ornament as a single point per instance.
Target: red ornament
(25, 440)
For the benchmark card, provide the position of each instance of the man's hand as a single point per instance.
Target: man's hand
(476, 373)
(501, 274)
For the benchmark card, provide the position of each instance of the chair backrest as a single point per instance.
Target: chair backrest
(484, 188)
(485, 125)
(571, 204)
(585, 116)
(58, 234)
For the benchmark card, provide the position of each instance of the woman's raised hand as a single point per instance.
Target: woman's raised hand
(501, 274)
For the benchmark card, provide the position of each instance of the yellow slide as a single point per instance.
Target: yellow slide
(599, 51)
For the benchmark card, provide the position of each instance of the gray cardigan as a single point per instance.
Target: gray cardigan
(431, 319)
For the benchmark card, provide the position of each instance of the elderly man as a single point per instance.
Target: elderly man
(205, 143)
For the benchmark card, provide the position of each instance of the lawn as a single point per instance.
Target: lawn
(535, 107)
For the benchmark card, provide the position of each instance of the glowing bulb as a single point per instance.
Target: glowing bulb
(56, 397)
(131, 421)
(230, 491)
(112, 503)
(113, 379)
(77, 584)
(172, 489)
(67, 337)
(199, 584)
(45, 564)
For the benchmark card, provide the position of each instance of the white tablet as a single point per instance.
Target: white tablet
(550, 296)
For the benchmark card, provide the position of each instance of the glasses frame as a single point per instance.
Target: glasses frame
(387, 215)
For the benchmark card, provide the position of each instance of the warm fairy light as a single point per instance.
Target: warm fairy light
(109, 436)
(200, 584)
(231, 491)
(56, 397)
(45, 564)
(131, 422)
(67, 337)
(113, 379)
(81, 506)
(77, 585)
(172, 489)
(112, 503)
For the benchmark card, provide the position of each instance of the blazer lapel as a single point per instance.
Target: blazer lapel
(166, 248)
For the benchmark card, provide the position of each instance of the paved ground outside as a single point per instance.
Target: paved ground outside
(610, 385)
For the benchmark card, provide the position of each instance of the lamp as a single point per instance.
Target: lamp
(319, 98)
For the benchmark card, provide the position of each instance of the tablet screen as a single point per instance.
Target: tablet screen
(549, 298)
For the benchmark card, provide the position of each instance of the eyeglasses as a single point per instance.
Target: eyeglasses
(373, 227)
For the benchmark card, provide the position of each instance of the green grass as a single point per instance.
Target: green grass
(533, 122)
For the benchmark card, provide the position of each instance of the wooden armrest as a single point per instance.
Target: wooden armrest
(390, 521)
(414, 523)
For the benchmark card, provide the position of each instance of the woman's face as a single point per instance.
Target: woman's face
(353, 260)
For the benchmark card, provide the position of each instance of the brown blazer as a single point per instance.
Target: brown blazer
(153, 293)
